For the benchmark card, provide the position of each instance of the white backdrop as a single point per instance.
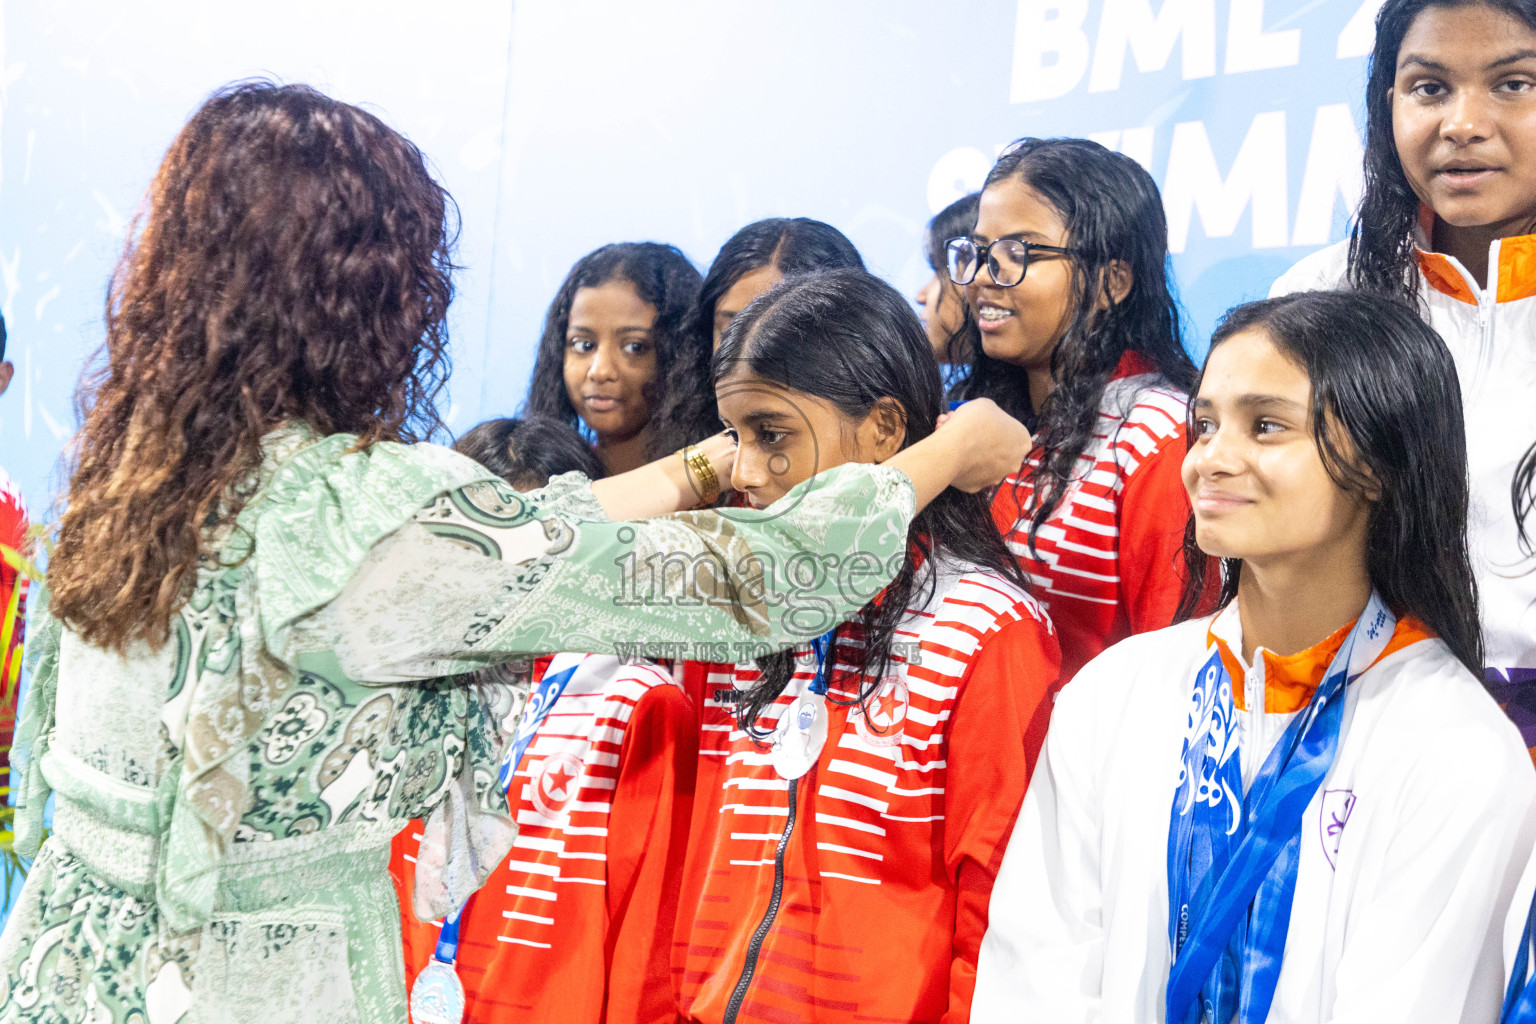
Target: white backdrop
(560, 125)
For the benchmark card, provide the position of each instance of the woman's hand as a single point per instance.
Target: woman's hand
(974, 447)
(992, 444)
(720, 450)
(666, 485)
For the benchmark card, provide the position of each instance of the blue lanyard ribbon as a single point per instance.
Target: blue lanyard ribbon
(534, 712)
(1520, 996)
(822, 646)
(1232, 860)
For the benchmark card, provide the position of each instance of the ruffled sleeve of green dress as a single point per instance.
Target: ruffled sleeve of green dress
(483, 572)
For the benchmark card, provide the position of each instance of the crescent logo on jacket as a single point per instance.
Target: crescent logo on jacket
(859, 891)
(576, 926)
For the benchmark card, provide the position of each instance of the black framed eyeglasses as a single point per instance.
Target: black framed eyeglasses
(1007, 259)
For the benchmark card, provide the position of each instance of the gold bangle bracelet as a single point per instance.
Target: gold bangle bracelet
(701, 475)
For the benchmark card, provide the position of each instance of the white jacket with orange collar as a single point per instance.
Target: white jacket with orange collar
(1491, 331)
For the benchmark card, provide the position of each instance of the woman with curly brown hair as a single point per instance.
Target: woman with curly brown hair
(258, 580)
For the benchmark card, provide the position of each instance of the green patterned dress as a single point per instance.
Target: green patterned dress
(224, 804)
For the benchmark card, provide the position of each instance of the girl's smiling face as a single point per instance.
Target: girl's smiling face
(1254, 473)
(1464, 117)
(1022, 325)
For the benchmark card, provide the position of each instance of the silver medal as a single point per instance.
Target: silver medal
(802, 733)
(437, 997)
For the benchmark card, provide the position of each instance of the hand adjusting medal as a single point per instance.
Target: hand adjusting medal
(802, 731)
(437, 996)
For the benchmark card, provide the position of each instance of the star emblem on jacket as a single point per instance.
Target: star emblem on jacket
(557, 783)
(880, 722)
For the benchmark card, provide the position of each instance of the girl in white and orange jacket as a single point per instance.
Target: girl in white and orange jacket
(1305, 808)
(1447, 223)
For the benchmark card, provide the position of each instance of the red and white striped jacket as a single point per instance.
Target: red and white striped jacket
(576, 926)
(859, 892)
(1109, 563)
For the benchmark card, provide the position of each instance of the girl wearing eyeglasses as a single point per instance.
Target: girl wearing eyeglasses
(1066, 272)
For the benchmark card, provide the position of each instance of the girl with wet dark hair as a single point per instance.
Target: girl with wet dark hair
(1067, 273)
(950, 323)
(758, 257)
(1305, 808)
(1447, 225)
(526, 453)
(614, 349)
(264, 597)
(751, 261)
(859, 787)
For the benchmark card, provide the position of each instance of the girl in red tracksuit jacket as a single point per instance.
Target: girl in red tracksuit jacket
(1066, 272)
(575, 926)
(857, 793)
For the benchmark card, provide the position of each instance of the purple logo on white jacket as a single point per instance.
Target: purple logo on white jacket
(1336, 807)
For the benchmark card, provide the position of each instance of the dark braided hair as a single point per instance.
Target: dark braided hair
(1113, 213)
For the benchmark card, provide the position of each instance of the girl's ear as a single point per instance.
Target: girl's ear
(1372, 489)
(883, 431)
(1115, 283)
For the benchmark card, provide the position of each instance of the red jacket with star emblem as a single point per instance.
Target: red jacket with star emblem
(859, 892)
(576, 925)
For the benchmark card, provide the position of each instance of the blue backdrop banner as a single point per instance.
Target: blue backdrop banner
(560, 125)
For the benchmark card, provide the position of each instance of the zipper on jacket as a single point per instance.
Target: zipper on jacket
(1488, 304)
(755, 947)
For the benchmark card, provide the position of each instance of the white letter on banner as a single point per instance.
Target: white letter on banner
(1035, 35)
(1333, 167)
(1359, 36)
(1250, 48)
(957, 173)
(1151, 39)
(1194, 182)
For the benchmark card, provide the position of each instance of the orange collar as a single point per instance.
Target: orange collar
(1516, 270)
(1290, 680)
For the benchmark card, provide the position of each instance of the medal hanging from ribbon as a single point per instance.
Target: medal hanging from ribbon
(1520, 995)
(437, 996)
(1232, 859)
(802, 730)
